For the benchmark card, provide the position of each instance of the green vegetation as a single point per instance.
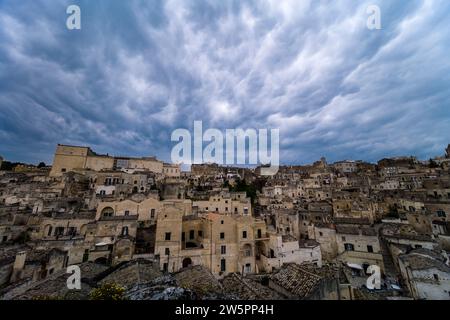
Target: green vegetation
(108, 291)
(393, 212)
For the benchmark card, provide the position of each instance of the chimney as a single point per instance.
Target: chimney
(19, 264)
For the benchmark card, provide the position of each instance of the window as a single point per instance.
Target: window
(321, 234)
(217, 209)
(125, 231)
(200, 233)
(235, 210)
(436, 277)
(369, 248)
(223, 250)
(59, 231)
(441, 213)
(349, 247)
(259, 234)
(248, 267)
(127, 212)
(244, 234)
(183, 236)
(221, 222)
(63, 170)
(222, 235)
(343, 238)
(191, 234)
(223, 265)
(50, 229)
(245, 210)
(167, 251)
(72, 231)
(152, 213)
(167, 236)
(108, 212)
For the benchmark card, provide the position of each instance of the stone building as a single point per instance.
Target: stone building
(358, 245)
(70, 158)
(221, 243)
(426, 273)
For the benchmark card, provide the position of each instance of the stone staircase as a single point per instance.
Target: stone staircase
(389, 267)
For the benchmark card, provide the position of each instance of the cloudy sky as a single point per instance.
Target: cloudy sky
(137, 70)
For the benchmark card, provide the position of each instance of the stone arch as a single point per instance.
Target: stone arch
(261, 249)
(107, 212)
(247, 250)
(187, 262)
(83, 229)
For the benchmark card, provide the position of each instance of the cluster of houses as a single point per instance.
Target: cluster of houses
(307, 232)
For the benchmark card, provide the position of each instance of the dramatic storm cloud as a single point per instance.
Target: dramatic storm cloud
(137, 70)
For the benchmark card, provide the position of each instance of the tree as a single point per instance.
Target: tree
(108, 291)
(433, 164)
(22, 238)
(41, 165)
(7, 166)
(393, 212)
(241, 185)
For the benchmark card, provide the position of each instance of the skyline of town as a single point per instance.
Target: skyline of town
(186, 167)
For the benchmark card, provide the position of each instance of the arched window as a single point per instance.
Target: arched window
(124, 231)
(107, 212)
(349, 247)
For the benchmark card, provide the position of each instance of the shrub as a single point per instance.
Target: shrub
(108, 291)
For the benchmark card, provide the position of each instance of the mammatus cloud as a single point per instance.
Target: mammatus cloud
(137, 70)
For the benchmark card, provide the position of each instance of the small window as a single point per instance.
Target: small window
(343, 238)
(221, 222)
(222, 235)
(321, 234)
(244, 234)
(349, 247)
(200, 233)
(369, 248)
(168, 234)
(167, 251)
(152, 213)
(223, 250)
(127, 212)
(191, 234)
(436, 277)
(63, 170)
